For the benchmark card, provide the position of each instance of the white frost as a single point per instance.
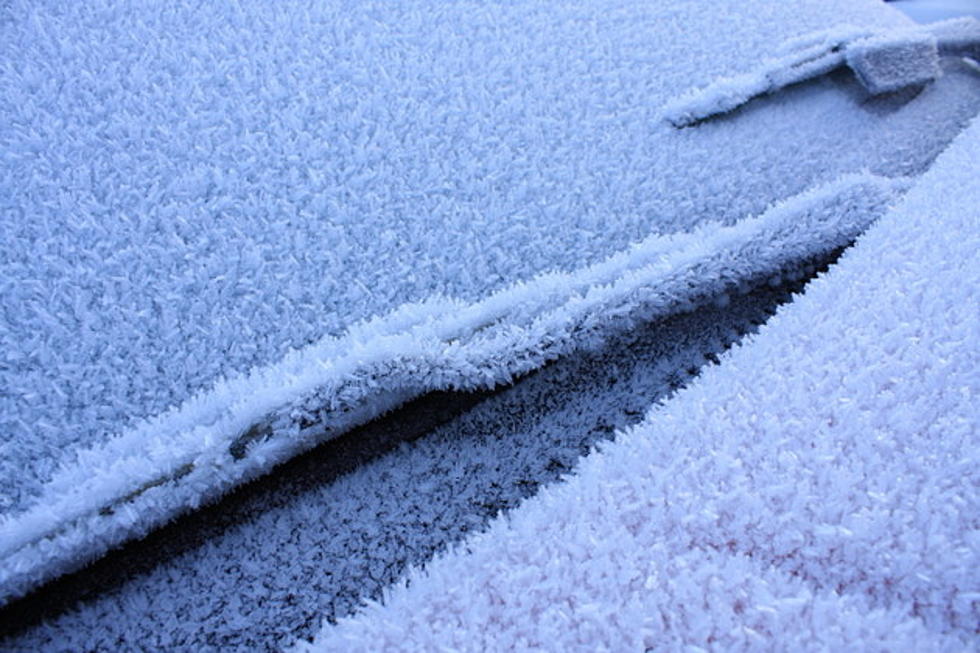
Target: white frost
(817, 490)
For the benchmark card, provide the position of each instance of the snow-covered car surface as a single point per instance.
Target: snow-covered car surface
(234, 230)
(192, 193)
(817, 490)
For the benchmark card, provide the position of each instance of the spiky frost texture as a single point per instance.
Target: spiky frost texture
(817, 490)
(243, 427)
